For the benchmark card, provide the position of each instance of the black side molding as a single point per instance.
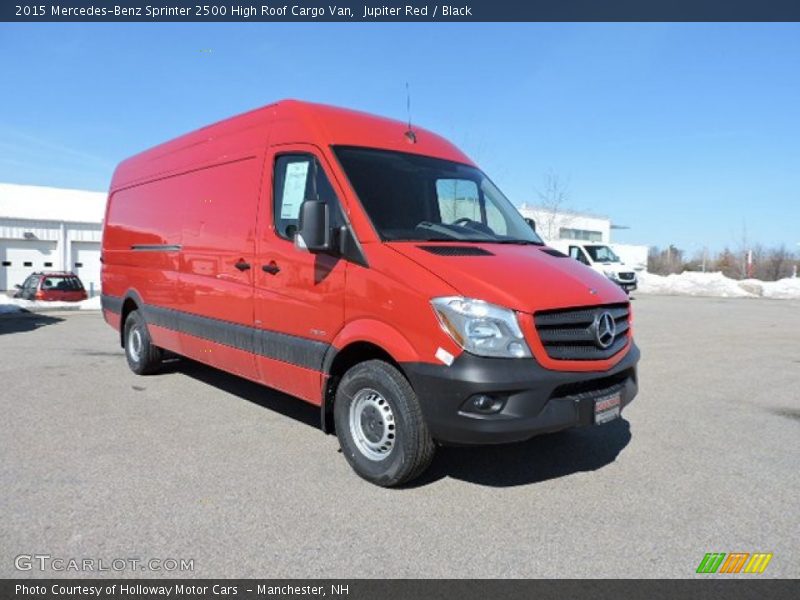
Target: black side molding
(111, 303)
(156, 247)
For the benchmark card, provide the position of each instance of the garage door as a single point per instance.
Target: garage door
(86, 264)
(20, 258)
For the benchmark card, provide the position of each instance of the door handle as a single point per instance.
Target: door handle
(272, 268)
(242, 265)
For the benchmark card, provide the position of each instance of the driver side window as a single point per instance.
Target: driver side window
(299, 177)
(458, 199)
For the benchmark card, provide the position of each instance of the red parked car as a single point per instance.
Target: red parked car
(49, 286)
(368, 268)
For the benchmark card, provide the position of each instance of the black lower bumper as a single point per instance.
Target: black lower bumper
(534, 400)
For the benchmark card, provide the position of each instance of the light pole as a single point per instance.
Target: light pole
(703, 251)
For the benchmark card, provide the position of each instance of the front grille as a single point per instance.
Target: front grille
(571, 334)
(627, 276)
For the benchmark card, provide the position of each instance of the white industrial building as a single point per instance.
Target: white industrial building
(564, 225)
(50, 229)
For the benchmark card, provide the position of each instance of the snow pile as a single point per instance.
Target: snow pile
(784, 288)
(12, 305)
(690, 283)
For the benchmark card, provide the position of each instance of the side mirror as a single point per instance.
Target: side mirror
(313, 228)
(531, 222)
(18, 286)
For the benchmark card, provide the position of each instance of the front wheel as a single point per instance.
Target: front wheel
(380, 426)
(143, 357)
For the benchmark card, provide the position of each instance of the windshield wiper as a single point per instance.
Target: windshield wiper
(440, 229)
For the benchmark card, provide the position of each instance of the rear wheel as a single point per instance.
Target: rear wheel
(380, 426)
(143, 357)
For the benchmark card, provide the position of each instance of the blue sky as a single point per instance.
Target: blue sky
(687, 133)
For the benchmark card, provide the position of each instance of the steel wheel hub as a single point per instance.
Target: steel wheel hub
(135, 344)
(372, 424)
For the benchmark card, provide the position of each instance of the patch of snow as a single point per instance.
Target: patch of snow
(90, 304)
(784, 289)
(9, 305)
(690, 283)
(754, 286)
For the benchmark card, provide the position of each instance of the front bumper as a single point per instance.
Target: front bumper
(536, 400)
(629, 285)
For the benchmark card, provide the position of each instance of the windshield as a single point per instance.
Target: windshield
(418, 198)
(602, 254)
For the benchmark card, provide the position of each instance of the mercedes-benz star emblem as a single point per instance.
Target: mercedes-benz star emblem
(605, 330)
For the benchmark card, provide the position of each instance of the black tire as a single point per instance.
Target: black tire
(389, 411)
(143, 357)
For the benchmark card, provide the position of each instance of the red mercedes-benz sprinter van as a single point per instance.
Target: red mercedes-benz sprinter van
(365, 268)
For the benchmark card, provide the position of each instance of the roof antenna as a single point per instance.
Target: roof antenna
(410, 134)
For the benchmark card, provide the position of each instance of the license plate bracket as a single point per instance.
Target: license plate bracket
(607, 408)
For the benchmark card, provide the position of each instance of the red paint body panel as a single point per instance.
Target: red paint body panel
(394, 292)
(306, 298)
(520, 277)
(204, 202)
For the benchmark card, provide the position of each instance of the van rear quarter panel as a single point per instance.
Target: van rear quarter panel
(150, 215)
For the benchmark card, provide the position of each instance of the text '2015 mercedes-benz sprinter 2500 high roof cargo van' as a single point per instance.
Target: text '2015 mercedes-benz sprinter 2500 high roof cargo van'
(371, 270)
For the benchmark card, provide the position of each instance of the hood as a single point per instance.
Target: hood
(616, 267)
(522, 277)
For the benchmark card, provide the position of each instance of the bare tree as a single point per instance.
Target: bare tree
(728, 263)
(666, 261)
(553, 199)
(769, 264)
(777, 264)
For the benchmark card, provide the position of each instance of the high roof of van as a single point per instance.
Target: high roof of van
(284, 122)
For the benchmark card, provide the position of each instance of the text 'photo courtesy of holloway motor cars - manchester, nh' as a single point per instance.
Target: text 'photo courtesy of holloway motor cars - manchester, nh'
(377, 301)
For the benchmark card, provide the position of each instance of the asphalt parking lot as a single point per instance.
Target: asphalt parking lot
(193, 463)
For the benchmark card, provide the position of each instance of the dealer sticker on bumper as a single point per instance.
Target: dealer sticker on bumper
(607, 408)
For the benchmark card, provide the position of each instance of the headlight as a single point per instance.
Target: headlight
(610, 274)
(481, 328)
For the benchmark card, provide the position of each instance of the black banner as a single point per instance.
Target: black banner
(400, 11)
(381, 589)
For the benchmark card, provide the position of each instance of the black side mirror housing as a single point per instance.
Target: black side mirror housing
(18, 286)
(313, 228)
(531, 222)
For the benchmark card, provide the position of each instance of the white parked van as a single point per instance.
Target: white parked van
(602, 259)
